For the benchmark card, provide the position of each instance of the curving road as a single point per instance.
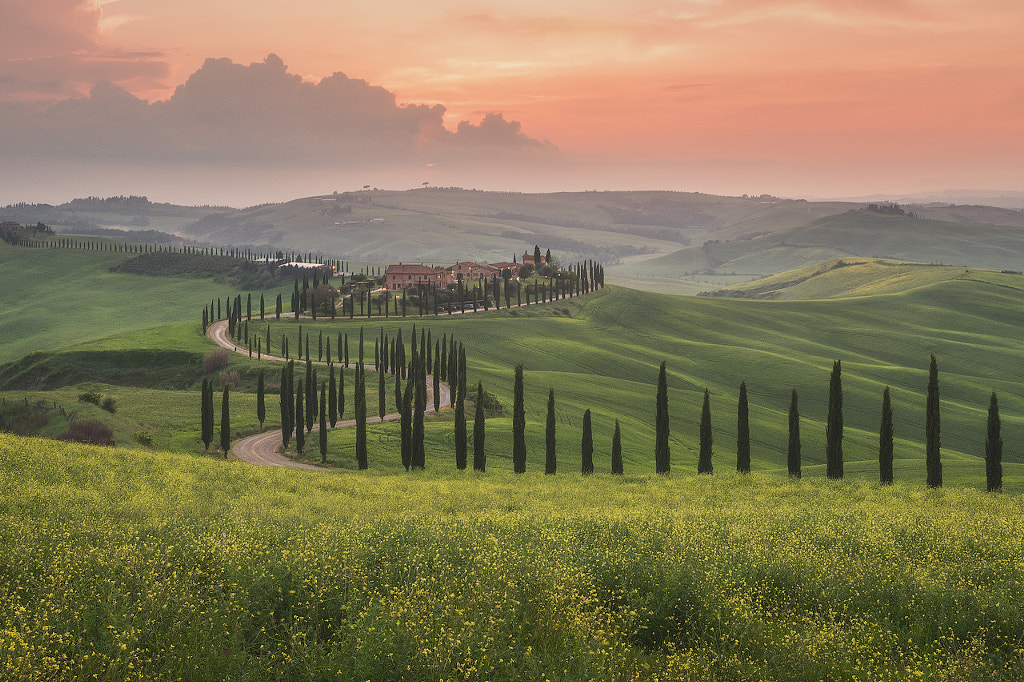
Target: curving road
(264, 448)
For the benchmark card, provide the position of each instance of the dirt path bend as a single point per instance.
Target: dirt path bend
(264, 449)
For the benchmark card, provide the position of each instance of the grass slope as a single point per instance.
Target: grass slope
(55, 298)
(214, 571)
(850, 277)
(853, 233)
(602, 352)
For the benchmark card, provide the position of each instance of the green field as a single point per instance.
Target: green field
(602, 351)
(208, 570)
(59, 297)
(165, 562)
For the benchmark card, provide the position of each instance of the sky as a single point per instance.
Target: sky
(239, 102)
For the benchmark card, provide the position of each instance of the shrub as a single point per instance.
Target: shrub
(143, 438)
(215, 359)
(91, 431)
(229, 379)
(90, 397)
(109, 404)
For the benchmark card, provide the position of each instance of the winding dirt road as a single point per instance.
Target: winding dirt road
(264, 449)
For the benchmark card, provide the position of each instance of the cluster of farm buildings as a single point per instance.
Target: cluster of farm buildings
(402, 276)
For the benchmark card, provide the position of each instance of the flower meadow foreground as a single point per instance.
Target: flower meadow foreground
(125, 565)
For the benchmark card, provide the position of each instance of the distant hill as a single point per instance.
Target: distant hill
(854, 233)
(852, 277)
(673, 242)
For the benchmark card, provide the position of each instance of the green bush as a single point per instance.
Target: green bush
(109, 404)
(90, 397)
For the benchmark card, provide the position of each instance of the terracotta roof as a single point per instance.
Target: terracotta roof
(403, 269)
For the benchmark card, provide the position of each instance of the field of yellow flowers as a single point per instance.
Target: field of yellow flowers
(126, 565)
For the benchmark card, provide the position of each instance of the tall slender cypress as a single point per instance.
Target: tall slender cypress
(704, 465)
(550, 463)
(460, 432)
(332, 398)
(300, 401)
(419, 404)
(225, 424)
(994, 448)
(617, 450)
(406, 424)
(286, 405)
(323, 424)
(587, 446)
(341, 393)
(885, 445)
(743, 432)
(479, 456)
(436, 377)
(662, 455)
(381, 394)
(261, 401)
(793, 452)
(360, 400)
(518, 424)
(933, 458)
(206, 414)
(834, 426)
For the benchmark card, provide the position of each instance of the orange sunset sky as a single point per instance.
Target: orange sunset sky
(796, 98)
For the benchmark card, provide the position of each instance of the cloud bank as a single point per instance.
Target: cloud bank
(228, 113)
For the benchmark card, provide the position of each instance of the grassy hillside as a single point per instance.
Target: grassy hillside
(857, 233)
(602, 353)
(210, 570)
(59, 297)
(849, 277)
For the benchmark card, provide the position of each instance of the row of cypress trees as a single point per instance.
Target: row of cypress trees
(834, 434)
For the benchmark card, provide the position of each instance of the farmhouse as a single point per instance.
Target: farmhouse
(505, 265)
(528, 260)
(466, 270)
(403, 276)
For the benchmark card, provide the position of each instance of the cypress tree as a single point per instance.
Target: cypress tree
(460, 432)
(206, 414)
(300, 400)
(419, 407)
(550, 462)
(793, 452)
(587, 446)
(341, 393)
(437, 382)
(834, 426)
(479, 457)
(662, 455)
(933, 458)
(361, 457)
(346, 349)
(518, 424)
(406, 424)
(381, 395)
(994, 448)
(263, 308)
(323, 424)
(885, 449)
(617, 450)
(332, 398)
(278, 307)
(225, 424)
(743, 433)
(261, 405)
(704, 465)
(286, 405)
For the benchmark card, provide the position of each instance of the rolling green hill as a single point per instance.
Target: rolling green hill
(60, 297)
(850, 277)
(602, 352)
(855, 233)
